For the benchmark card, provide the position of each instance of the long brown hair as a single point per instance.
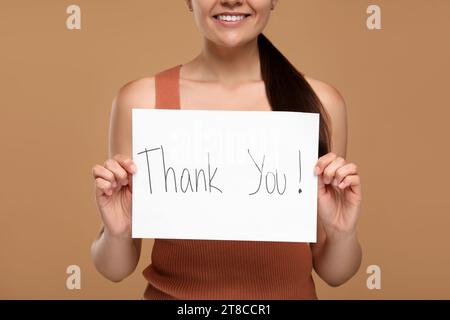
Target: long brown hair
(288, 90)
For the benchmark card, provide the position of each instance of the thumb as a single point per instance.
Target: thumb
(321, 188)
(130, 181)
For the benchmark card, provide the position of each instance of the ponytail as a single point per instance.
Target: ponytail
(288, 90)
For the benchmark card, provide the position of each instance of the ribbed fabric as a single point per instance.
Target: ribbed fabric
(222, 269)
(167, 88)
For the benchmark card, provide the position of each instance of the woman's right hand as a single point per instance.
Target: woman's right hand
(113, 188)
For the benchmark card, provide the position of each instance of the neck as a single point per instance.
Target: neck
(228, 65)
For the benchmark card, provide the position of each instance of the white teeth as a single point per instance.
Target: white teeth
(230, 18)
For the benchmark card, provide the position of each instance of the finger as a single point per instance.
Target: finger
(330, 169)
(342, 172)
(103, 187)
(352, 181)
(119, 172)
(126, 162)
(323, 161)
(99, 171)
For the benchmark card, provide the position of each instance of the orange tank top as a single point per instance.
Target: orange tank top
(223, 269)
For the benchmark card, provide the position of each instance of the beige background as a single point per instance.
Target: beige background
(56, 92)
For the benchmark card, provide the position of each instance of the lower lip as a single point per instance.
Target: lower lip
(231, 23)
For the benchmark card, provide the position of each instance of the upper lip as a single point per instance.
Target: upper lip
(232, 14)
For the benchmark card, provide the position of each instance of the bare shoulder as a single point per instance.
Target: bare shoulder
(335, 106)
(137, 93)
(328, 94)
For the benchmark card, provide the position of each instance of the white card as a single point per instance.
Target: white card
(225, 175)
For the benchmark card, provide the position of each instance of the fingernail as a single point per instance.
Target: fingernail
(316, 170)
(134, 168)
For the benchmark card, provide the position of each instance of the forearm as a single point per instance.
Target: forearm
(115, 257)
(339, 259)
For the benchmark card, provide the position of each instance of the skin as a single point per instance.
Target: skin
(227, 73)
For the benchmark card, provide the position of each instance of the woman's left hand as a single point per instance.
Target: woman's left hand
(339, 195)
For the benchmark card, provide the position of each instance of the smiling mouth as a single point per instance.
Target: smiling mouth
(231, 18)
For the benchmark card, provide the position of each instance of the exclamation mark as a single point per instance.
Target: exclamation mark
(300, 171)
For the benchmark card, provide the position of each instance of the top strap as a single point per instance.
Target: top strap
(167, 88)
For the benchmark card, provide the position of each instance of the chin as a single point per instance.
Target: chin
(231, 43)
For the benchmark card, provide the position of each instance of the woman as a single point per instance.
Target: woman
(238, 68)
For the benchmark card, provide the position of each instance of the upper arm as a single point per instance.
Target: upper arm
(137, 93)
(334, 104)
